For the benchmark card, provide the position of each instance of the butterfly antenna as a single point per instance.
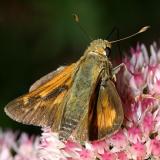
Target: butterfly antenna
(143, 29)
(76, 19)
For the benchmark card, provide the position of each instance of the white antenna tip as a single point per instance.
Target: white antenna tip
(143, 29)
(76, 17)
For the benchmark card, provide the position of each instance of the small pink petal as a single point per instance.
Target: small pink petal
(153, 58)
(148, 124)
(100, 146)
(145, 54)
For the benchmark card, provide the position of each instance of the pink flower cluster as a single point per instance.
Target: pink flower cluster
(139, 138)
(14, 148)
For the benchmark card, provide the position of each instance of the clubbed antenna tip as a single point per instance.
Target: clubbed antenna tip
(76, 17)
(143, 29)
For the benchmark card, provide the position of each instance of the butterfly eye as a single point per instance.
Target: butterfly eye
(108, 51)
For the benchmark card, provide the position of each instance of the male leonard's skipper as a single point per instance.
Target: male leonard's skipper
(79, 100)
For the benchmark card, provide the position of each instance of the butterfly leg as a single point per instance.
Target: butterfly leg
(117, 68)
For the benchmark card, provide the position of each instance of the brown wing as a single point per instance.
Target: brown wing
(42, 106)
(106, 113)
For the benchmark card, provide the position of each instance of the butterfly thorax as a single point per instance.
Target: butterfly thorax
(97, 49)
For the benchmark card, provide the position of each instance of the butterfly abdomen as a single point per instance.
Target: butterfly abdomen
(67, 127)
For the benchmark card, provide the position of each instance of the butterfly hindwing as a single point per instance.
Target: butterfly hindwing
(42, 105)
(106, 115)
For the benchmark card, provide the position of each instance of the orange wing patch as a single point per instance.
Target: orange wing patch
(105, 109)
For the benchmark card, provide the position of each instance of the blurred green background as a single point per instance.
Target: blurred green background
(38, 36)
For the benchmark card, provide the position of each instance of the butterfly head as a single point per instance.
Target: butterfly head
(100, 47)
(103, 47)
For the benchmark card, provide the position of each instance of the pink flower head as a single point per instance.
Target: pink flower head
(24, 147)
(51, 146)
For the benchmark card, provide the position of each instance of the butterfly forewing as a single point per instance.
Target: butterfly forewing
(42, 106)
(46, 78)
